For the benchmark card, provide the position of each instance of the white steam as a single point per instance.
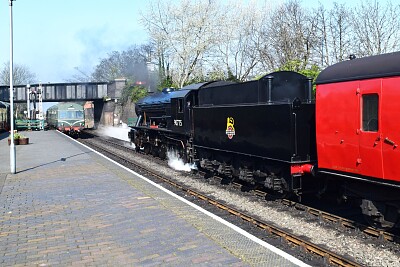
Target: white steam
(120, 132)
(177, 164)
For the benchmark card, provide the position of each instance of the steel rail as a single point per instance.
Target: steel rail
(321, 215)
(290, 238)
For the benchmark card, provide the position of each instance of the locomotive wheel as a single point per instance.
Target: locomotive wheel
(137, 148)
(182, 155)
(147, 149)
(162, 152)
(154, 151)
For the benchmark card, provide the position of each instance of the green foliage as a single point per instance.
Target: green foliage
(17, 136)
(297, 66)
(259, 76)
(166, 82)
(231, 76)
(133, 92)
(196, 79)
(138, 92)
(311, 72)
(215, 75)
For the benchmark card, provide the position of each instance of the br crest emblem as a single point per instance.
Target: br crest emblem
(230, 129)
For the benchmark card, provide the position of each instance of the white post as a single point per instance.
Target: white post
(28, 102)
(13, 168)
(40, 96)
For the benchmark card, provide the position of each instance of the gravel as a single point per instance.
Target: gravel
(366, 251)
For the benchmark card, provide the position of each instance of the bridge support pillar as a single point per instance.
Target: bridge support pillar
(98, 111)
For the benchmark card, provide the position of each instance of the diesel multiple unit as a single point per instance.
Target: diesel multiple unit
(66, 117)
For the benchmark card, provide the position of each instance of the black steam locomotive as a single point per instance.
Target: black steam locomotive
(273, 133)
(260, 131)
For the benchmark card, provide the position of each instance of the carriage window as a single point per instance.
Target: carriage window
(180, 105)
(63, 114)
(370, 112)
(79, 114)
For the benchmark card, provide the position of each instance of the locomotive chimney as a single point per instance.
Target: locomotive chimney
(269, 88)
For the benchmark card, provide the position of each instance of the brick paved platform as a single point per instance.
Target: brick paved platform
(68, 206)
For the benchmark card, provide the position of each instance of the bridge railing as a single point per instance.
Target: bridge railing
(58, 92)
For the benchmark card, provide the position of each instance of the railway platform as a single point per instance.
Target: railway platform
(69, 206)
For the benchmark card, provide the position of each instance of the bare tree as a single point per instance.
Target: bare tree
(322, 32)
(129, 64)
(376, 27)
(289, 35)
(196, 40)
(237, 45)
(341, 32)
(335, 34)
(184, 31)
(80, 76)
(21, 74)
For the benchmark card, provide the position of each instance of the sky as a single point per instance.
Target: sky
(54, 37)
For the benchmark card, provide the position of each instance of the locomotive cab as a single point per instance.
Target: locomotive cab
(180, 114)
(167, 110)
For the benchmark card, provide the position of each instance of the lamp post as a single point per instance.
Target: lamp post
(13, 168)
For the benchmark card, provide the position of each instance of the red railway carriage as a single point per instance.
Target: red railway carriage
(357, 117)
(358, 126)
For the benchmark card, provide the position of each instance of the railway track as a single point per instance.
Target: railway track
(335, 219)
(320, 214)
(285, 236)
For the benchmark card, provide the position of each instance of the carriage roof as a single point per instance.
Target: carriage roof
(379, 66)
(67, 106)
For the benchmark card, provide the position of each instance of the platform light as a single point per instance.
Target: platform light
(13, 168)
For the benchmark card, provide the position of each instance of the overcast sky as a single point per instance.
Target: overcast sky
(53, 37)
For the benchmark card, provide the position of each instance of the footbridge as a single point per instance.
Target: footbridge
(65, 92)
(100, 93)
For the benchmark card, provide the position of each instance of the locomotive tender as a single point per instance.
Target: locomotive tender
(272, 132)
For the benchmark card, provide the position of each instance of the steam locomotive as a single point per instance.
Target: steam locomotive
(273, 132)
